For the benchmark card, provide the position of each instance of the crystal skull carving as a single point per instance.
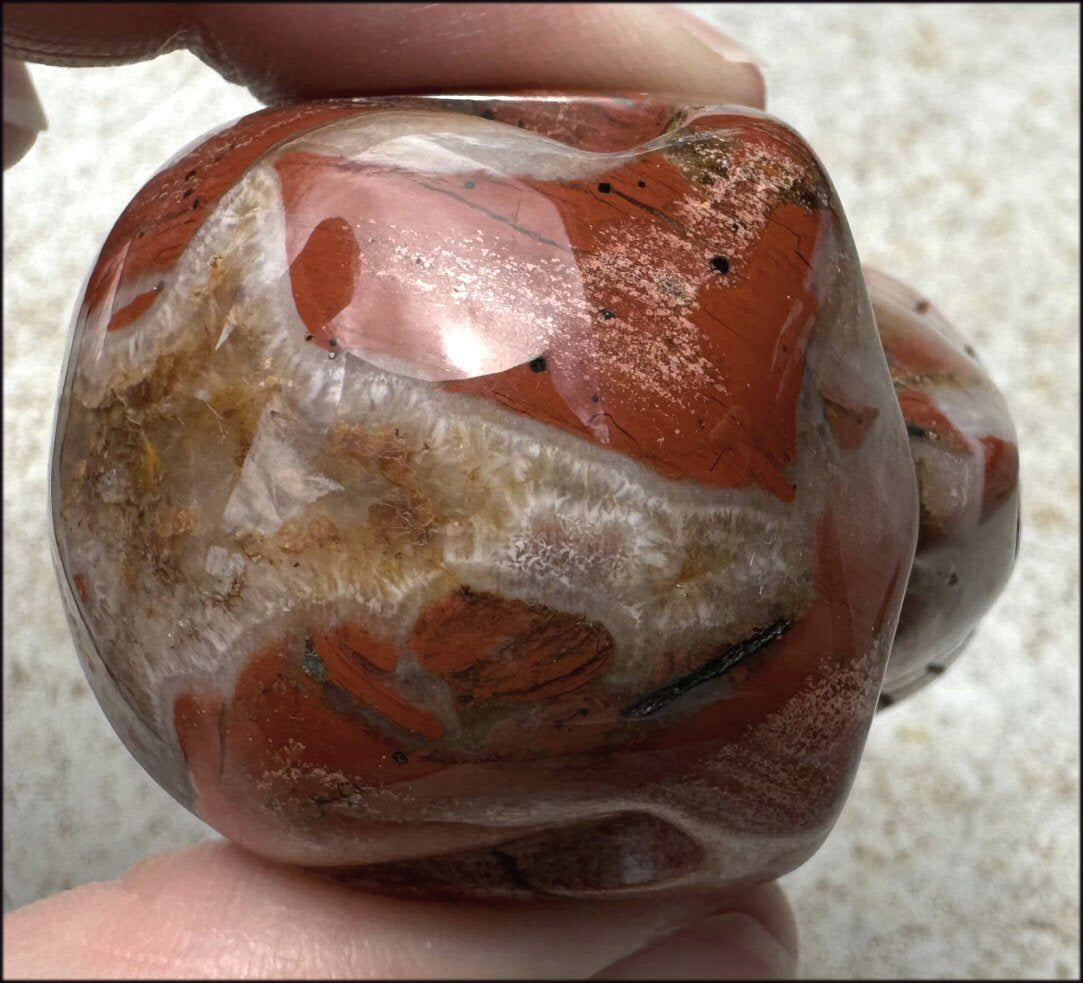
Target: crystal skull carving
(511, 494)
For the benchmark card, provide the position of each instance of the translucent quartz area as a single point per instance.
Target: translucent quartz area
(494, 494)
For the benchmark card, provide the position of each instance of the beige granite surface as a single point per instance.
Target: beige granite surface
(952, 135)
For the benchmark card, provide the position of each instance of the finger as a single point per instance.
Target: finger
(289, 51)
(732, 946)
(216, 911)
(23, 116)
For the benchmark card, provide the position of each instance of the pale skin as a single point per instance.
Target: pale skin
(216, 910)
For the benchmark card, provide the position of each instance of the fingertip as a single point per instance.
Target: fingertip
(457, 47)
(745, 66)
(715, 39)
(17, 143)
(770, 905)
(730, 946)
(289, 51)
(24, 118)
(753, 936)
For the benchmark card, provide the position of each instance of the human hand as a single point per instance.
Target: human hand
(285, 52)
(216, 910)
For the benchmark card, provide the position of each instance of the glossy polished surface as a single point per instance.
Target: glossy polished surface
(966, 460)
(478, 479)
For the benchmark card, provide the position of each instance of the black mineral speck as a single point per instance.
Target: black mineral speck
(718, 665)
(488, 114)
(641, 184)
(537, 364)
(607, 314)
(720, 263)
(595, 398)
(308, 337)
(469, 185)
(333, 342)
(605, 187)
(400, 758)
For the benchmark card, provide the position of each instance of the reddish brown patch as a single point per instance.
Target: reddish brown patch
(162, 218)
(916, 351)
(510, 235)
(325, 272)
(278, 739)
(938, 522)
(729, 424)
(81, 587)
(854, 592)
(822, 637)
(919, 409)
(1001, 474)
(127, 314)
(797, 779)
(383, 655)
(484, 645)
(730, 417)
(348, 667)
(850, 424)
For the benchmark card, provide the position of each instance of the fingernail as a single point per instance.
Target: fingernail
(718, 41)
(730, 946)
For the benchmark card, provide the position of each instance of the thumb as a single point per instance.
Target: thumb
(217, 911)
(23, 116)
(732, 946)
(287, 51)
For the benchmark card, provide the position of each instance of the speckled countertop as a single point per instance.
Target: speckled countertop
(952, 135)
